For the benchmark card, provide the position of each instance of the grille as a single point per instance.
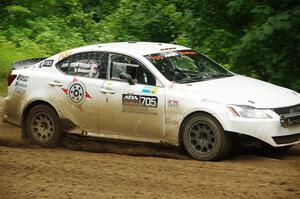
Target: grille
(286, 110)
(286, 139)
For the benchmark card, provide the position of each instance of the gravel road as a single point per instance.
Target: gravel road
(98, 169)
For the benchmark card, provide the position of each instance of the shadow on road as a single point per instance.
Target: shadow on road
(126, 148)
(72, 142)
(155, 150)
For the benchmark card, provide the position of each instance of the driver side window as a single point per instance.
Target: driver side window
(124, 64)
(91, 64)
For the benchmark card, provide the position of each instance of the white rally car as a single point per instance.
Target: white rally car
(148, 92)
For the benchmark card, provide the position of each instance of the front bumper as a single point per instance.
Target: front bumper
(285, 139)
(270, 131)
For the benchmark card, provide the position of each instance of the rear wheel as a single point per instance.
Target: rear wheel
(43, 126)
(204, 138)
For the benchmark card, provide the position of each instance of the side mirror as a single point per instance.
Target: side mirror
(126, 77)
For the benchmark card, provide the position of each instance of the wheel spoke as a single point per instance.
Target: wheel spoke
(42, 126)
(194, 133)
(194, 139)
(202, 138)
(211, 137)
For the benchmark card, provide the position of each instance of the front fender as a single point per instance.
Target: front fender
(176, 116)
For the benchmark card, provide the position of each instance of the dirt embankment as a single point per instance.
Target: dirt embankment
(97, 169)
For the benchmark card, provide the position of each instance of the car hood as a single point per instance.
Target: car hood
(243, 90)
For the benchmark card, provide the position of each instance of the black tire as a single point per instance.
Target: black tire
(43, 126)
(204, 138)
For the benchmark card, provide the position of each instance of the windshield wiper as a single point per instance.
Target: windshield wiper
(219, 75)
(203, 78)
(189, 80)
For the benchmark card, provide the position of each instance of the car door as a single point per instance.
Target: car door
(79, 94)
(132, 110)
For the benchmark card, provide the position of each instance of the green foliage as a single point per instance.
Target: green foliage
(268, 49)
(9, 54)
(255, 38)
(155, 20)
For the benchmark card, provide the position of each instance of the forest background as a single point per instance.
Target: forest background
(254, 38)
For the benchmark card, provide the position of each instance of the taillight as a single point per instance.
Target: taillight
(10, 79)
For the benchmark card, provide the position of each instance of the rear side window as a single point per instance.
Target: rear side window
(92, 64)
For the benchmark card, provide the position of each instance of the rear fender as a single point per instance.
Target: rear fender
(28, 106)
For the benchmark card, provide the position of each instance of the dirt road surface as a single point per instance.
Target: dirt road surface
(98, 169)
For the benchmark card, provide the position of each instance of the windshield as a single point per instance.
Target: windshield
(187, 66)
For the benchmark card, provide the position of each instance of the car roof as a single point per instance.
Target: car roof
(141, 48)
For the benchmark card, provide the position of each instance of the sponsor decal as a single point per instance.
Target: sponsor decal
(172, 54)
(150, 89)
(139, 103)
(157, 58)
(187, 53)
(21, 84)
(172, 122)
(76, 93)
(210, 101)
(174, 112)
(64, 55)
(22, 78)
(109, 83)
(47, 63)
(173, 103)
(20, 90)
(130, 100)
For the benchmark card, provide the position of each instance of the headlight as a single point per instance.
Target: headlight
(247, 112)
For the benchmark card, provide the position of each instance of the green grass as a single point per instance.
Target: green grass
(3, 87)
(9, 53)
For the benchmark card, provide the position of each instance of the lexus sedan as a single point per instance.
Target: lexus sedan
(148, 92)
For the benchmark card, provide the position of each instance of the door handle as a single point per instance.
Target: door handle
(104, 90)
(55, 83)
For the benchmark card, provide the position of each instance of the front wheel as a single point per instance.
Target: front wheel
(43, 126)
(204, 138)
